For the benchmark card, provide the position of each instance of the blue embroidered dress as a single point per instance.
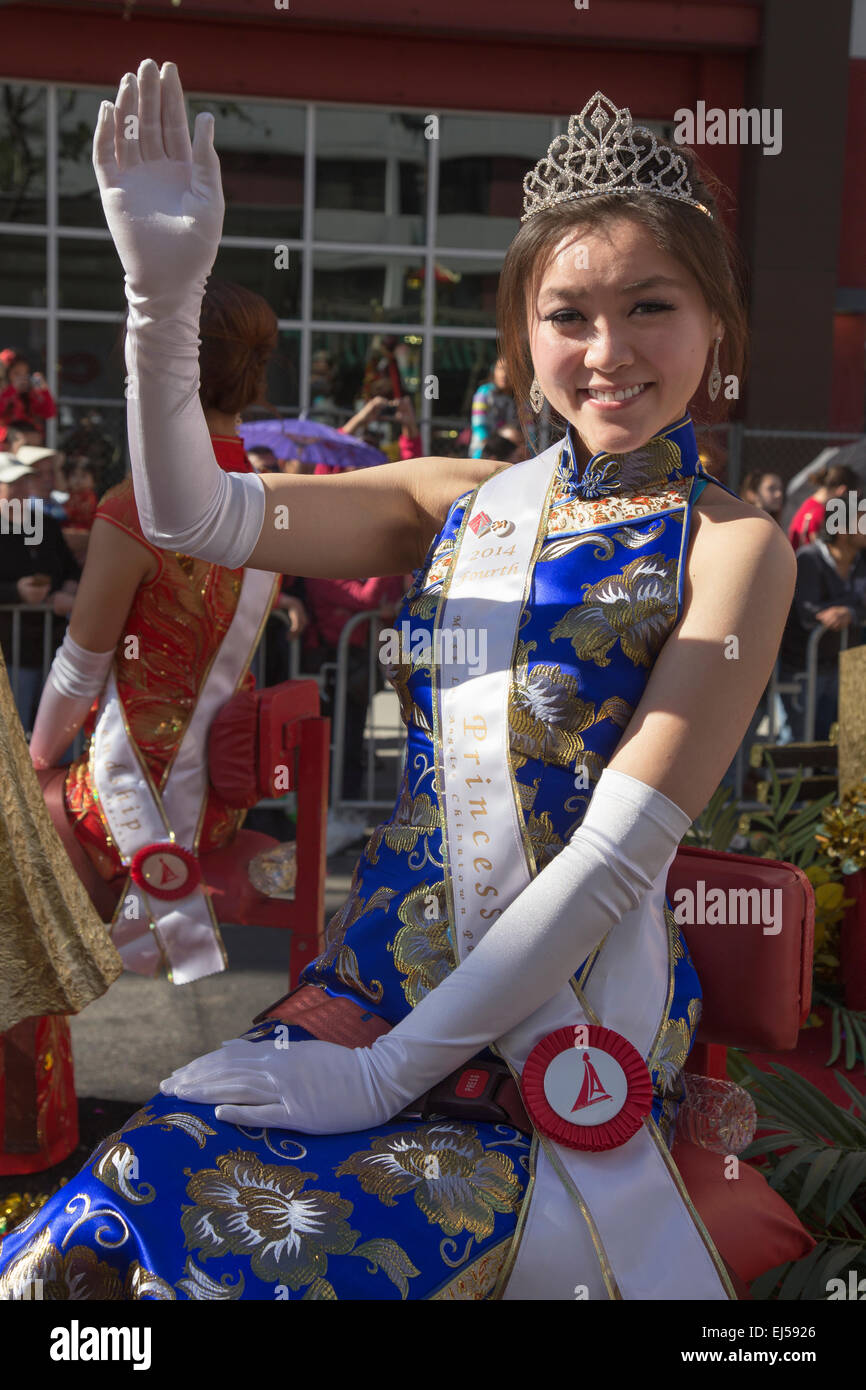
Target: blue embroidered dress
(178, 1205)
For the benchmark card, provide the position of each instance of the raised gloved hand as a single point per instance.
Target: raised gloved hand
(164, 207)
(162, 195)
(628, 836)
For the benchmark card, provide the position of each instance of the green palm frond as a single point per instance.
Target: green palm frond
(847, 1026)
(718, 823)
(779, 834)
(815, 1156)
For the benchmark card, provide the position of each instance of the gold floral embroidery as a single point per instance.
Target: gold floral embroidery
(115, 1165)
(422, 948)
(341, 956)
(544, 840)
(202, 1288)
(653, 466)
(675, 937)
(456, 1183)
(398, 675)
(478, 1280)
(78, 1275)
(547, 716)
(636, 607)
(114, 1161)
(261, 1211)
(671, 1051)
(141, 1283)
(415, 817)
(695, 1010)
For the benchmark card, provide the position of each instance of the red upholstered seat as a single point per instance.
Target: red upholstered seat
(757, 984)
(756, 994)
(752, 1227)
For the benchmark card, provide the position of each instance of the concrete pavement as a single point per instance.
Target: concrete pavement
(141, 1029)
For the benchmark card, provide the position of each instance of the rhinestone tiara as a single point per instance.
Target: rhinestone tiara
(603, 151)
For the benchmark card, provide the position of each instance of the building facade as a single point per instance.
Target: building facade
(372, 167)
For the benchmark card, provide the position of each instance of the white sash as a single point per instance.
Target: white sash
(150, 932)
(616, 1224)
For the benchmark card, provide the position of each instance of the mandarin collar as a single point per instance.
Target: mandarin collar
(669, 456)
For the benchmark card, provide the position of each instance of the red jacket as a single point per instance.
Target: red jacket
(806, 522)
(35, 405)
(334, 601)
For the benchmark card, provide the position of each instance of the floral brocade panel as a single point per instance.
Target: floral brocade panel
(180, 1206)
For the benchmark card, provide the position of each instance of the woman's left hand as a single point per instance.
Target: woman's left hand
(313, 1087)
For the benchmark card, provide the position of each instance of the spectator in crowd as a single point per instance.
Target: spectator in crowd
(291, 600)
(25, 395)
(409, 445)
(833, 480)
(22, 432)
(493, 410)
(46, 464)
(830, 592)
(87, 440)
(764, 489)
(505, 447)
(35, 568)
(80, 477)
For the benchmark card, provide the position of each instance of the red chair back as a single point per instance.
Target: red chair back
(756, 980)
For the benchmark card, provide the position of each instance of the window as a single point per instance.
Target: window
(337, 273)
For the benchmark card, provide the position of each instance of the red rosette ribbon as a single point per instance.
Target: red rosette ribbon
(586, 1087)
(166, 870)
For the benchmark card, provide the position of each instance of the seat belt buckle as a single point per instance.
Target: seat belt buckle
(469, 1093)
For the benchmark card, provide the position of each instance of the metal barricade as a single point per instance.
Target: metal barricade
(14, 667)
(809, 677)
(338, 720)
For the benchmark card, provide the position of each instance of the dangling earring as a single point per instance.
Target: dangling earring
(714, 380)
(536, 397)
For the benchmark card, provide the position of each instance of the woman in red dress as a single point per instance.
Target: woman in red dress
(153, 623)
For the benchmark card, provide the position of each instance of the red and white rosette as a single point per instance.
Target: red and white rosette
(166, 870)
(587, 1087)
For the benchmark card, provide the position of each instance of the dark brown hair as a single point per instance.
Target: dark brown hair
(239, 333)
(835, 475)
(704, 246)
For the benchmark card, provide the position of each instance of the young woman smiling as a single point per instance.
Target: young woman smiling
(515, 898)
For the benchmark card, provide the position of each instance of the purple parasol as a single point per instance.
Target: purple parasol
(310, 442)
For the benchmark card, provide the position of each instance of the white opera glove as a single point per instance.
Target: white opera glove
(628, 835)
(76, 678)
(164, 206)
(313, 1087)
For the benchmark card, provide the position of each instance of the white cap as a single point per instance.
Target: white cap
(33, 453)
(12, 468)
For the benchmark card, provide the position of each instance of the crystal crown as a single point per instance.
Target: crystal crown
(603, 151)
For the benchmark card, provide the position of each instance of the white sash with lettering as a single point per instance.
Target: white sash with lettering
(616, 1224)
(149, 932)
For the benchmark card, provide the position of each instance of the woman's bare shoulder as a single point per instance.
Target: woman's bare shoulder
(730, 534)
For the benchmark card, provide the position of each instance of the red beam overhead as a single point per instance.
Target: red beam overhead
(430, 73)
(670, 23)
